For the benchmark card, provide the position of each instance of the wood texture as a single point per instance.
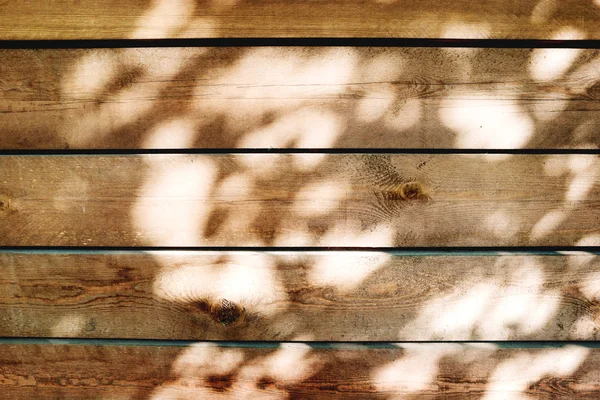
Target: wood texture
(111, 19)
(326, 296)
(420, 371)
(299, 97)
(300, 200)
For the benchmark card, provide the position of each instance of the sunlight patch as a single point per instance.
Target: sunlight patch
(320, 198)
(346, 270)
(502, 224)
(513, 376)
(405, 115)
(416, 371)
(547, 224)
(175, 134)
(551, 64)
(164, 19)
(485, 121)
(70, 325)
(172, 204)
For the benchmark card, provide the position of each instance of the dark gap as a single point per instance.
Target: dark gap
(240, 42)
(50, 152)
(525, 344)
(548, 250)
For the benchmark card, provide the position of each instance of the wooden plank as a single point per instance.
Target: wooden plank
(299, 97)
(359, 200)
(324, 296)
(111, 19)
(207, 371)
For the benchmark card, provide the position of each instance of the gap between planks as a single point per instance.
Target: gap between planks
(332, 345)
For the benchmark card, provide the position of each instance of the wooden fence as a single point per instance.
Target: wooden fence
(271, 199)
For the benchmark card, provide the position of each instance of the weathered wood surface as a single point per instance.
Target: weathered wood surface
(299, 97)
(326, 296)
(113, 19)
(421, 371)
(300, 200)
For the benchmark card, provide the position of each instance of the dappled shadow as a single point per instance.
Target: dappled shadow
(294, 371)
(149, 19)
(300, 98)
(231, 98)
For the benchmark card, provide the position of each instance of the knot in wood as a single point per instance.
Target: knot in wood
(226, 312)
(594, 91)
(4, 203)
(412, 191)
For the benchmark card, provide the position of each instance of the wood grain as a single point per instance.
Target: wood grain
(325, 296)
(421, 371)
(299, 97)
(111, 19)
(360, 200)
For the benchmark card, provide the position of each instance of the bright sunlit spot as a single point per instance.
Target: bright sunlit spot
(291, 363)
(345, 270)
(165, 18)
(405, 115)
(415, 371)
(512, 377)
(523, 305)
(89, 75)
(288, 364)
(375, 104)
(466, 30)
(173, 203)
(502, 223)
(589, 240)
(279, 82)
(113, 89)
(496, 309)
(486, 121)
(171, 135)
(590, 286)
(247, 279)
(320, 198)
(304, 127)
(70, 325)
(547, 224)
(551, 64)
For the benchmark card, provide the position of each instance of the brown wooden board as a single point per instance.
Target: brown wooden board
(357, 200)
(315, 296)
(207, 371)
(113, 19)
(299, 97)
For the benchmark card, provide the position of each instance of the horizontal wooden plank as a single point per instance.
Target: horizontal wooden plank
(207, 371)
(109, 19)
(323, 296)
(299, 97)
(360, 200)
